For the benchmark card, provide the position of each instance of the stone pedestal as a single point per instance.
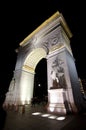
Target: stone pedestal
(56, 101)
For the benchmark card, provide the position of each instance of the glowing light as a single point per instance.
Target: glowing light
(51, 109)
(60, 118)
(39, 85)
(36, 113)
(52, 117)
(45, 115)
(49, 116)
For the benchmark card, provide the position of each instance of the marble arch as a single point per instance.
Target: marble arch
(51, 40)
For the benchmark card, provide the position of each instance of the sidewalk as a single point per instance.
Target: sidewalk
(38, 118)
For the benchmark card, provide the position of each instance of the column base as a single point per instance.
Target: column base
(58, 108)
(56, 103)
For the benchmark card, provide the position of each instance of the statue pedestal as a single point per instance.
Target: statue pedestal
(56, 101)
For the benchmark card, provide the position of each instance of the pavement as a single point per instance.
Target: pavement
(36, 117)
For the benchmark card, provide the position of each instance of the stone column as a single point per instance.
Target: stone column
(21, 91)
(26, 87)
(59, 83)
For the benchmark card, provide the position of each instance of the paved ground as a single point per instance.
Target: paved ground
(34, 118)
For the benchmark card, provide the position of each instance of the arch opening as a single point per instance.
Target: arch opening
(40, 79)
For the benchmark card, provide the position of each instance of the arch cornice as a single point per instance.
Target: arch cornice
(47, 26)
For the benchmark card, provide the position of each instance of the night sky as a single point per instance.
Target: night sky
(19, 19)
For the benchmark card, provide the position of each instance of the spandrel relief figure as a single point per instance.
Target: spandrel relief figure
(57, 75)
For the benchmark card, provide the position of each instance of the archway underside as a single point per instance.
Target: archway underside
(33, 58)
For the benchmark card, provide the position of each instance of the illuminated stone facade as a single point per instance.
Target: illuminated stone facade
(51, 40)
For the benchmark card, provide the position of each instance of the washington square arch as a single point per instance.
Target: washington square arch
(50, 41)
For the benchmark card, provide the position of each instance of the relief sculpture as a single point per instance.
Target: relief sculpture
(57, 74)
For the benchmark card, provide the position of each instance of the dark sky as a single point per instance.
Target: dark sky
(19, 19)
